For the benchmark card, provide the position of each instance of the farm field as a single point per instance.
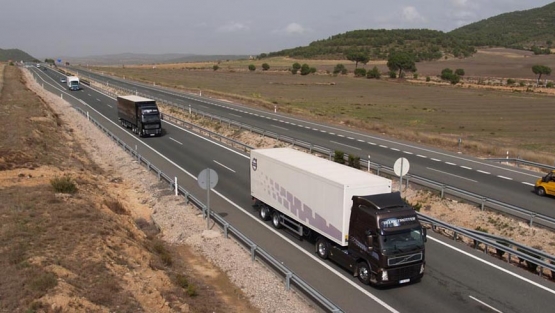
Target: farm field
(490, 118)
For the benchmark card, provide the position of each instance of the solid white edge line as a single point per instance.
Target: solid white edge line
(494, 266)
(484, 304)
(529, 184)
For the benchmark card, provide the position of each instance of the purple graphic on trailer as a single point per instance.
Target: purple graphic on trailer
(304, 213)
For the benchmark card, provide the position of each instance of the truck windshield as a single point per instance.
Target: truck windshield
(74, 83)
(405, 241)
(151, 118)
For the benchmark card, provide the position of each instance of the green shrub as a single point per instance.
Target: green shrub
(338, 68)
(215, 67)
(373, 73)
(192, 290)
(392, 74)
(339, 157)
(252, 67)
(360, 72)
(181, 281)
(415, 75)
(265, 66)
(428, 79)
(549, 85)
(354, 161)
(63, 185)
(511, 81)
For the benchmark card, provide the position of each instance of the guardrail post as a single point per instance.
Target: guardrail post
(455, 236)
(483, 203)
(175, 184)
(226, 226)
(148, 165)
(532, 219)
(378, 169)
(442, 191)
(288, 276)
(159, 175)
(253, 252)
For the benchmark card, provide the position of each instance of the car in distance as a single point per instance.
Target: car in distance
(62, 80)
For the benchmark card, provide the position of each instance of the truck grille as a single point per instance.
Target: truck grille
(404, 259)
(405, 272)
(151, 126)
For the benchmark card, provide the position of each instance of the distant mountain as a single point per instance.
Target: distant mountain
(519, 29)
(138, 58)
(15, 55)
(532, 29)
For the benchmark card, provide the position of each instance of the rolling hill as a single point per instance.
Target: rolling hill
(526, 30)
(15, 55)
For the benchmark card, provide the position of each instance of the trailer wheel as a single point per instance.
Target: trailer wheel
(540, 191)
(322, 248)
(364, 273)
(264, 212)
(275, 220)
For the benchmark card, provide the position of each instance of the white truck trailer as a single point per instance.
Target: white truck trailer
(352, 216)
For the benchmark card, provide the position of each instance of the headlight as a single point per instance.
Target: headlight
(421, 268)
(385, 277)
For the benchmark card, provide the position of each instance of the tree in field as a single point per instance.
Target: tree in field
(374, 73)
(295, 68)
(447, 74)
(358, 56)
(541, 70)
(305, 69)
(339, 68)
(252, 67)
(401, 61)
(265, 66)
(459, 72)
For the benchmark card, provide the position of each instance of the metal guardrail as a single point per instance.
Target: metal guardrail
(291, 279)
(518, 161)
(536, 260)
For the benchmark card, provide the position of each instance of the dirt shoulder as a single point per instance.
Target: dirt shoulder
(95, 247)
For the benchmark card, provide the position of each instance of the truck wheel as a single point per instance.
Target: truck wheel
(540, 191)
(264, 212)
(275, 220)
(322, 248)
(364, 273)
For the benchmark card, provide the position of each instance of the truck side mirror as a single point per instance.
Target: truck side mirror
(425, 234)
(370, 242)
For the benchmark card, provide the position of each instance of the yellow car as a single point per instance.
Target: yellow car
(546, 185)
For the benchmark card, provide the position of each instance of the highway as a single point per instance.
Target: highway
(457, 278)
(490, 180)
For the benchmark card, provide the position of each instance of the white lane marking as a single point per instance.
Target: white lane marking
(407, 152)
(97, 99)
(485, 304)
(109, 105)
(175, 141)
(382, 146)
(220, 164)
(466, 167)
(433, 169)
(89, 94)
(373, 143)
(394, 149)
(421, 156)
(504, 177)
(236, 115)
(350, 138)
(529, 184)
(339, 135)
(437, 160)
(483, 172)
(494, 266)
(342, 144)
(333, 134)
(279, 127)
(360, 140)
(450, 163)
(323, 131)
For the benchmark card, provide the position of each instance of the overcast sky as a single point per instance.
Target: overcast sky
(55, 28)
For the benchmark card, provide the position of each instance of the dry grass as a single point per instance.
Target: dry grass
(77, 251)
(490, 122)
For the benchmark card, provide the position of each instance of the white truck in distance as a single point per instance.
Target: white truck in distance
(351, 216)
(73, 83)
